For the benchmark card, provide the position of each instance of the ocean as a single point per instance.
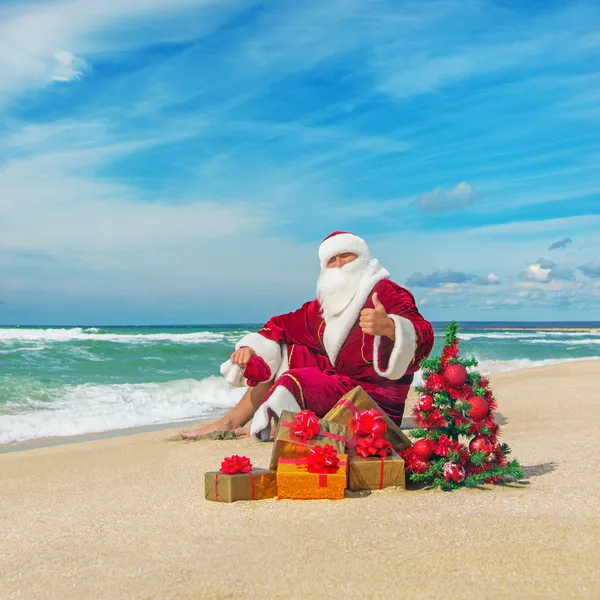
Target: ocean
(64, 381)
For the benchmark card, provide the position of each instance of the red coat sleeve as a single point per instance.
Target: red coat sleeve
(298, 327)
(400, 302)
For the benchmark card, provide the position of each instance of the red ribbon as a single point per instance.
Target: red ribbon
(236, 464)
(305, 425)
(373, 446)
(322, 459)
(369, 422)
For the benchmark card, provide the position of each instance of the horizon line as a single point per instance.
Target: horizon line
(582, 323)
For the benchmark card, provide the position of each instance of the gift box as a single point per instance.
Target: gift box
(355, 401)
(317, 433)
(375, 472)
(295, 480)
(238, 480)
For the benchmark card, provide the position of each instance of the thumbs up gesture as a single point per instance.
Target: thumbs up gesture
(375, 321)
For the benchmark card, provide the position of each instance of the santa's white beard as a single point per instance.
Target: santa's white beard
(338, 285)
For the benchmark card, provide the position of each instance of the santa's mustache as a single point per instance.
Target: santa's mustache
(337, 286)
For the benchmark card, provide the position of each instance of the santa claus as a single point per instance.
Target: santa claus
(361, 330)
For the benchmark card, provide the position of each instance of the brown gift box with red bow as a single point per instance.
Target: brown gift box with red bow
(357, 400)
(375, 473)
(258, 484)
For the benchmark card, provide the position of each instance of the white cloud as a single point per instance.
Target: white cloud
(536, 273)
(68, 67)
(457, 197)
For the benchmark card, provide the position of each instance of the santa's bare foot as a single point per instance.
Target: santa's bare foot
(242, 432)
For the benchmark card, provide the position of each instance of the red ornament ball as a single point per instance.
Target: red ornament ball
(425, 403)
(455, 375)
(481, 444)
(423, 449)
(479, 408)
(453, 472)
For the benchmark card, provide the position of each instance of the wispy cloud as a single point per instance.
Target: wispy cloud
(447, 276)
(47, 41)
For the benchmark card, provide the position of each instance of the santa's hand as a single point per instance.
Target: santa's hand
(242, 356)
(374, 321)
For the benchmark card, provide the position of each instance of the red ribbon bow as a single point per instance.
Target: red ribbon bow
(372, 445)
(306, 425)
(257, 371)
(322, 459)
(236, 464)
(369, 422)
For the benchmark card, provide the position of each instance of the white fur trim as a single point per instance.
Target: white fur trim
(402, 352)
(340, 243)
(233, 374)
(285, 365)
(338, 327)
(281, 399)
(268, 350)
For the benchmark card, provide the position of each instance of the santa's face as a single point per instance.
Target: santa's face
(339, 260)
(339, 282)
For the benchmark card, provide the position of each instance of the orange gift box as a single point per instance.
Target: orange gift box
(295, 482)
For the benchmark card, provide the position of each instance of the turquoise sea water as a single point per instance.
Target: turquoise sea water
(67, 381)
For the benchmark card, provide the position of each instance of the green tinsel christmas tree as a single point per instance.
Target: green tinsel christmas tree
(457, 436)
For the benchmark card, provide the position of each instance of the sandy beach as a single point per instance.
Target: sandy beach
(125, 517)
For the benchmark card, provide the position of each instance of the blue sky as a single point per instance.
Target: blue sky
(179, 161)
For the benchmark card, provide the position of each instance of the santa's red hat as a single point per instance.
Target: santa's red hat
(339, 242)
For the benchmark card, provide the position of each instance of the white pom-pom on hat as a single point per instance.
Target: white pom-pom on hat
(339, 242)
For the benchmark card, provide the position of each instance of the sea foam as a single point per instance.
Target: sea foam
(89, 408)
(94, 334)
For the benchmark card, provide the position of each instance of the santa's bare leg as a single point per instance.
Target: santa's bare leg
(239, 415)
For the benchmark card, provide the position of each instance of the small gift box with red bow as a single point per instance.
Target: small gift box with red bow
(299, 433)
(373, 464)
(321, 474)
(358, 401)
(238, 480)
(375, 472)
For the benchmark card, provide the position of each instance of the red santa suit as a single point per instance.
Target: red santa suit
(317, 359)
